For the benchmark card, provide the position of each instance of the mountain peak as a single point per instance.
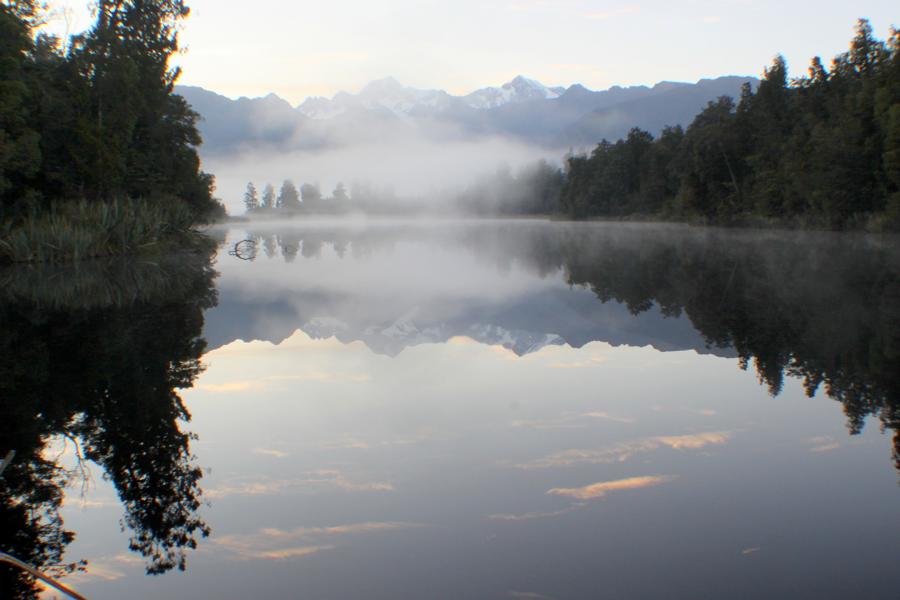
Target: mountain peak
(519, 89)
(382, 86)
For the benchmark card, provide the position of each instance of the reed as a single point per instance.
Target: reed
(77, 230)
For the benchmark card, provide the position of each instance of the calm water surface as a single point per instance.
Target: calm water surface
(460, 410)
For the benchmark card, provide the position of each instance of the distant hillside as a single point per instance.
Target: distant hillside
(523, 109)
(674, 104)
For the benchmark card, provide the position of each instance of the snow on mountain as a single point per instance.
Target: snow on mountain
(520, 89)
(393, 337)
(384, 94)
(390, 95)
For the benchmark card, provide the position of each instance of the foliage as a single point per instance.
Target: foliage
(822, 150)
(288, 197)
(94, 354)
(71, 231)
(95, 120)
(251, 198)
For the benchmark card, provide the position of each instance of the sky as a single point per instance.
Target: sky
(303, 48)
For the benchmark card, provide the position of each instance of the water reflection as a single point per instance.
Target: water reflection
(824, 308)
(91, 359)
(429, 399)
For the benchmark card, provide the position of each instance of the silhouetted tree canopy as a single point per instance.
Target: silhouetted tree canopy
(96, 357)
(821, 150)
(96, 118)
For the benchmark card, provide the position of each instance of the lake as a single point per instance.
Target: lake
(459, 409)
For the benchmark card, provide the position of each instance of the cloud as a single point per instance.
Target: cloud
(323, 478)
(103, 569)
(823, 444)
(609, 14)
(335, 478)
(692, 442)
(282, 544)
(352, 443)
(560, 423)
(350, 529)
(536, 514)
(568, 421)
(235, 386)
(704, 412)
(270, 452)
(285, 553)
(534, 5)
(622, 452)
(604, 415)
(599, 490)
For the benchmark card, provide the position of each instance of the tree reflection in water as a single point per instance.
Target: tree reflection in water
(821, 307)
(96, 354)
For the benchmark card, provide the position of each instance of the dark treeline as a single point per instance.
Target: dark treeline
(822, 150)
(819, 307)
(94, 356)
(94, 118)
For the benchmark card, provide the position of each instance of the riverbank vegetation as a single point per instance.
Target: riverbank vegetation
(98, 156)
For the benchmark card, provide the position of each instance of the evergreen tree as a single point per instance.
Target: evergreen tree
(251, 198)
(310, 193)
(824, 148)
(268, 197)
(340, 194)
(19, 142)
(288, 197)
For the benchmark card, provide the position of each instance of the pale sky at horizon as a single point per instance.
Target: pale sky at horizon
(303, 48)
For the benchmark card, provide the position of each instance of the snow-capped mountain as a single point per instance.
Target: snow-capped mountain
(520, 89)
(525, 109)
(384, 94)
(390, 95)
(393, 337)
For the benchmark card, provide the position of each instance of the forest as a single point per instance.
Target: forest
(819, 151)
(97, 154)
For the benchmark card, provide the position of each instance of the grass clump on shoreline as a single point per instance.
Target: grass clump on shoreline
(72, 231)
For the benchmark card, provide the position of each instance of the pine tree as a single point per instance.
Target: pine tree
(251, 198)
(340, 193)
(268, 197)
(288, 197)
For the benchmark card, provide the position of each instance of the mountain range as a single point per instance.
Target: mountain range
(525, 325)
(522, 109)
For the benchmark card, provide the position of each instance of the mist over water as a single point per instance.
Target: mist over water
(426, 171)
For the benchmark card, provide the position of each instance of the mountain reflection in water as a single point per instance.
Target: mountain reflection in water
(474, 404)
(821, 307)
